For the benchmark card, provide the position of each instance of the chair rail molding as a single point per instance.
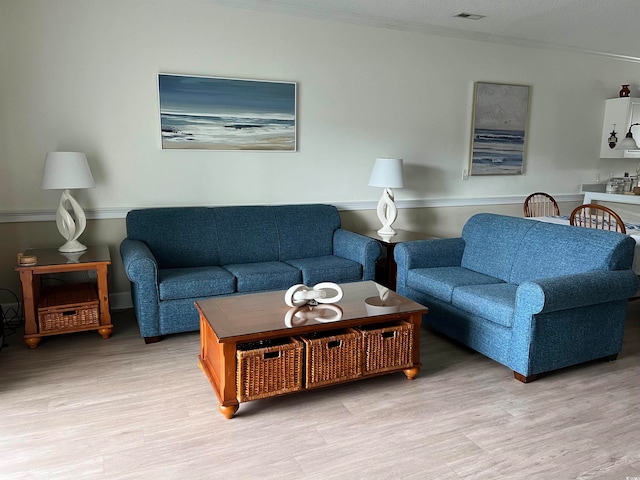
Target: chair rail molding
(121, 212)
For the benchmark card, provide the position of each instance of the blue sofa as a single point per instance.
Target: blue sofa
(533, 296)
(175, 256)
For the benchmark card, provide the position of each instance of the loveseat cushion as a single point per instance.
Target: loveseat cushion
(493, 302)
(253, 277)
(176, 283)
(327, 268)
(551, 250)
(492, 243)
(440, 282)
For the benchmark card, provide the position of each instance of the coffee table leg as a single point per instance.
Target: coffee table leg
(229, 411)
(411, 373)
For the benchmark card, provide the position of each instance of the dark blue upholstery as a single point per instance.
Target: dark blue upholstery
(533, 296)
(173, 256)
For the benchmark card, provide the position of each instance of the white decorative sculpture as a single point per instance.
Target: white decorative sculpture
(301, 294)
(383, 304)
(297, 316)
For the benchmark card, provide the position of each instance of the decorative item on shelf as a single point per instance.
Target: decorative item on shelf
(27, 260)
(625, 92)
(628, 142)
(387, 173)
(613, 138)
(300, 294)
(66, 171)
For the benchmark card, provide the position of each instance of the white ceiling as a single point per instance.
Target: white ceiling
(610, 27)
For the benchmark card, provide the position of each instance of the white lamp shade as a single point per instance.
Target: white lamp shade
(66, 170)
(387, 173)
(627, 143)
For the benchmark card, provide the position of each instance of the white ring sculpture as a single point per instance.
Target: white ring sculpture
(297, 316)
(300, 294)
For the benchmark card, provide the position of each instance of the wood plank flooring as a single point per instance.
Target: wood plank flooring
(80, 407)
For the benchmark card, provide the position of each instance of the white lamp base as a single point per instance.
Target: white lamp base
(69, 228)
(72, 247)
(387, 213)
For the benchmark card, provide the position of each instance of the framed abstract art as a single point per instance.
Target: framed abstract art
(499, 129)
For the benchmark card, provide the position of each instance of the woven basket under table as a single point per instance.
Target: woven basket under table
(68, 307)
(387, 347)
(332, 357)
(268, 369)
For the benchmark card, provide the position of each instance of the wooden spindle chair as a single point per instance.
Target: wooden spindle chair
(540, 204)
(592, 215)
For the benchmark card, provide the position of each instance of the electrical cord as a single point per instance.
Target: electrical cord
(10, 319)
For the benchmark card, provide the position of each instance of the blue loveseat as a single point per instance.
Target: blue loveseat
(175, 256)
(532, 296)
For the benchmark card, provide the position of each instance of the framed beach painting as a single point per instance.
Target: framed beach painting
(216, 113)
(499, 130)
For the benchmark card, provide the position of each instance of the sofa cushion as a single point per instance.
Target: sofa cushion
(327, 268)
(492, 242)
(551, 250)
(493, 302)
(306, 231)
(193, 282)
(253, 277)
(441, 281)
(246, 234)
(177, 237)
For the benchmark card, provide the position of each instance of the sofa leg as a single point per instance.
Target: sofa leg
(610, 358)
(149, 340)
(523, 378)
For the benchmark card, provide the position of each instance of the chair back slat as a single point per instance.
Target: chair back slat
(592, 215)
(540, 204)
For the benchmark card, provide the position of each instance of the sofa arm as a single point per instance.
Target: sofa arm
(142, 270)
(139, 263)
(440, 252)
(359, 248)
(578, 290)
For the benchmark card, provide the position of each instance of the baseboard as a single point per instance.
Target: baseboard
(120, 301)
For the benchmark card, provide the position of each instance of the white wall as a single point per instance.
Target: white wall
(81, 75)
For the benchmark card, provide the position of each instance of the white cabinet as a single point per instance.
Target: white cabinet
(620, 112)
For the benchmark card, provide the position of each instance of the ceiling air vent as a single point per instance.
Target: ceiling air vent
(469, 16)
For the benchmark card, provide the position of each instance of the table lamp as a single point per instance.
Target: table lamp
(387, 173)
(66, 171)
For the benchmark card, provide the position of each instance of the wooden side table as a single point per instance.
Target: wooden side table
(50, 260)
(386, 268)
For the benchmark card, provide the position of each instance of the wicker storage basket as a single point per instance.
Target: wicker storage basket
(269, 368)
(332, 357)
(68, 307)
(387, 347)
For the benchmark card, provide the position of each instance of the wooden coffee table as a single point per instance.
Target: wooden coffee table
(228, 322)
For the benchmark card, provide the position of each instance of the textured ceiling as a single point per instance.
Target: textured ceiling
(609, 27)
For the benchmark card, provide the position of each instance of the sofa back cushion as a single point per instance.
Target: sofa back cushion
(516, 249)
(246, 234)
(177, 237)
(492, 243)
(185, 237)
(550, 250)
(306, 231)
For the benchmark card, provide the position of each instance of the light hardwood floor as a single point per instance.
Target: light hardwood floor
(82, 407)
